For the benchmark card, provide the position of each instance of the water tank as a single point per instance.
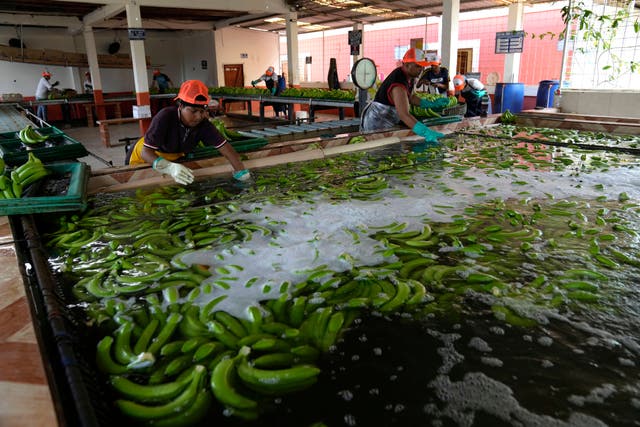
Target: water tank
(546, 89)
(508, 96)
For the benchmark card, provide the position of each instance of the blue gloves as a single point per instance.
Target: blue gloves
(429, 135)
(242, 175)
(437, 104)
(254, 82)
(273, 91)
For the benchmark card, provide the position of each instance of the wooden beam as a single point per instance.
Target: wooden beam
(67, 59)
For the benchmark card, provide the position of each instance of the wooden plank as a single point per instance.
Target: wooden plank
(59, 57)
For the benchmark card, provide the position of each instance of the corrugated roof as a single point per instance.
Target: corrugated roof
(313, 15)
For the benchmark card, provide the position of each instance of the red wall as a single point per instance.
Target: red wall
(540, 60)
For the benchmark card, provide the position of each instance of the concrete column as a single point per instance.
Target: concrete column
(449, 36)
(515, 22)
(94, 69)
(134, 20)
(292, 48)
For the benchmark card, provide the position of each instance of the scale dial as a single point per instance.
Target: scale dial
(363, 73)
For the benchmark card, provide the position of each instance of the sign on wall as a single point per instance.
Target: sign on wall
(509, 41)
(136, 33)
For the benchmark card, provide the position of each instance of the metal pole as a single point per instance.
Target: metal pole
(565, 48)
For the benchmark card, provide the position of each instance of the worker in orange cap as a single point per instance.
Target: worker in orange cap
(394, 98)
(473, 92)
(269, 78)
(42, 92)
(177, 130)
(161, 81)
(436, 78)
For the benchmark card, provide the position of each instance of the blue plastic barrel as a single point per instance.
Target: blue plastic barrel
(546, 89)
(508, 96)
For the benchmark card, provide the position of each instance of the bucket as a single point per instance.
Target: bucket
(546, 89)
(508, 96)
(302, 116)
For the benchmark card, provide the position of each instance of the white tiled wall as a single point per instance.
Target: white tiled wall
(600, 102)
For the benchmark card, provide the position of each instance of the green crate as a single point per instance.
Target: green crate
(59, 146)
(441, 120)
(74, 199)
(240, 146)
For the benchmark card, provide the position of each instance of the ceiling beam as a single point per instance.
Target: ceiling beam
(257, 6)
(40, 20)
(102, 14)
(243, 20)
(157, 24)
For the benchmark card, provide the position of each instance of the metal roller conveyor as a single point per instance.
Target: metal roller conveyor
(296, 131)
(12, 119)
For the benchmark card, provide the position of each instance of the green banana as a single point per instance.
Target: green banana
(222, 379)
(181, 402)
(151, 393)
(274, 382)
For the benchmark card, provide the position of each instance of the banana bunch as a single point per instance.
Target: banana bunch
(429, 112)
(29, 135)
(507, 118)
(27, 173)
(229, 135)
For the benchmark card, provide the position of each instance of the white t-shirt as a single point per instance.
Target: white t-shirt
(475, 84)
(42, 91)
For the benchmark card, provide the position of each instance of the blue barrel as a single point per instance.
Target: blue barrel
(508, 96)
(544, 98)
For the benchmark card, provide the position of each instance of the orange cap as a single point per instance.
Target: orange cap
(46, 74)
(416, 56)
(194, 92)
(269, 71)
(458, 82)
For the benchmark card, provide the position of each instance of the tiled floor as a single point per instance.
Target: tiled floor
(26, 401)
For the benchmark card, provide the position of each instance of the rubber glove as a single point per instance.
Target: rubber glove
(242, 175)
(429, 135)
(437, 104)
(180, 174)
(273, 91)
(254, 82)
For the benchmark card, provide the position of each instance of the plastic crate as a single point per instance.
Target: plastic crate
(441, 120)
(239, 146)
(59, 146)
(73, 199)
(456, 110)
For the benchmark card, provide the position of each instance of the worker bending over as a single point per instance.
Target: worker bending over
(269, 78)
(394, 97)
(177, 130)
(473, 92)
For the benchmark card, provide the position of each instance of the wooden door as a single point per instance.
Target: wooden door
(465, 61)
(234, 77)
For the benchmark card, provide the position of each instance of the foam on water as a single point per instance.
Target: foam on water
(333, 236)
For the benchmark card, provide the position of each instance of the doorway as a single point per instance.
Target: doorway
(465, 61)
(234, 77)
